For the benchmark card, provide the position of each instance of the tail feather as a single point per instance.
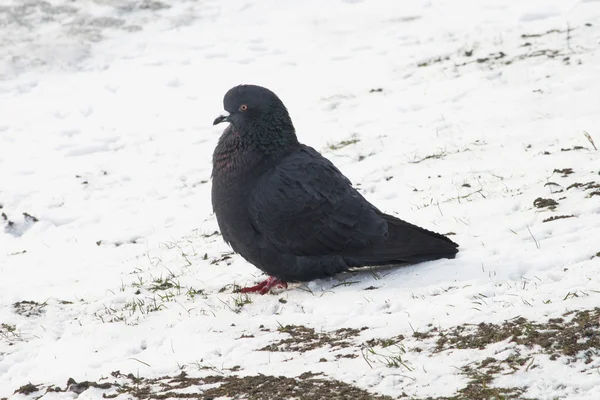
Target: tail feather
(406, 243)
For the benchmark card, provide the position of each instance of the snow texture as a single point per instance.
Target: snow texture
(453, 115)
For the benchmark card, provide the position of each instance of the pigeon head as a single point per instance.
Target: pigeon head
(257, 114)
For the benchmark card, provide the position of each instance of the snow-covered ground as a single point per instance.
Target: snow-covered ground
(454, 115)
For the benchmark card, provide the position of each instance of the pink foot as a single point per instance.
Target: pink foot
(265, 286)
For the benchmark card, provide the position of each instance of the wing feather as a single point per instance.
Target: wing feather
(306, 206)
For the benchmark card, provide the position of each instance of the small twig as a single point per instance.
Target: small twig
(589, 138)
(362, 351)
(440, 154)
(304, 286)
(537, 244)
(140, 361)
(466, 196)
(569, 38)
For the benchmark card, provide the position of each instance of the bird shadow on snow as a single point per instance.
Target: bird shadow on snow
(402, 275)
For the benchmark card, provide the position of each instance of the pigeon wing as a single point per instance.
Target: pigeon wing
(305, 206)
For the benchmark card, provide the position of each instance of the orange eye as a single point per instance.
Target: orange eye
(243, 107)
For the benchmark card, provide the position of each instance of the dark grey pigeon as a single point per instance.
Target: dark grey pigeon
(289, 211)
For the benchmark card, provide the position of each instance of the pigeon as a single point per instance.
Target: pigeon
(289, 211)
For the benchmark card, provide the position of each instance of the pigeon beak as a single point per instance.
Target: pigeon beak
(222, 118)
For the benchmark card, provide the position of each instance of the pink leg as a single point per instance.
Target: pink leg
(265, 286)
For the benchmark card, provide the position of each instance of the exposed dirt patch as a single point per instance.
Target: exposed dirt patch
(481, 375)
(304, 339)
(384, 342)
(565, 172)
(537, 35)
(435, 156)
(29, 217)
(574, 148)
(347, 355)
(545, 203)
(353, 140)
(80, 387)
(208, 235)
(29, 308)
(575, 336)
(558, 217)
(257, 387)
(584, 186)
(534, 45)
(436, 60)
(306, 386)
(572, 337)
(9, 333)
(9, 223)
(491, 57)
(27, 389)
(224, 257)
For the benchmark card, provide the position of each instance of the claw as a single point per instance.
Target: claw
(265, 286)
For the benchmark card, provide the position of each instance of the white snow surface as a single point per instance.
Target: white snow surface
(106, 139)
